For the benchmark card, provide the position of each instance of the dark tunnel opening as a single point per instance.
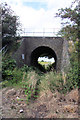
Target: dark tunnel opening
(43, 52)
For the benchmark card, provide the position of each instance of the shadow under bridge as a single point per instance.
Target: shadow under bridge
(43, 51)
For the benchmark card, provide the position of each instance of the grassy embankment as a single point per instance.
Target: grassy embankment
(33, 81)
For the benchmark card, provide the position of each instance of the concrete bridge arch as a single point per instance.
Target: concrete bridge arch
(42, 51)
(32, 47)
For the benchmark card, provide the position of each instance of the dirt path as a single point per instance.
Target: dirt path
(47, 105)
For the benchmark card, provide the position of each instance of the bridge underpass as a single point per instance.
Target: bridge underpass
(34, 47)
(42, 52)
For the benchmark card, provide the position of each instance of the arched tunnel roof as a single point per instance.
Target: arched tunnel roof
(41, 52)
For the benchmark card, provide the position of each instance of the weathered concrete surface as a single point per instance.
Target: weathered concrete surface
(33, 47)
(65, 63)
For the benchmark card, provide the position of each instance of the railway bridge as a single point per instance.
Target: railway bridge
(34, 47)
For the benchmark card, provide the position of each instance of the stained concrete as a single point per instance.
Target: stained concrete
(33, 47)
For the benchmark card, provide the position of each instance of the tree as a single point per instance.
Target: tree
(71, 32)
(71, 15)
(71, 28)
(10, 24)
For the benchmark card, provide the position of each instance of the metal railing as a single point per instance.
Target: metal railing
(4, 50)
(40, 32)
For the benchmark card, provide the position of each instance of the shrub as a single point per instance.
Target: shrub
(30, 85)
(72, 77)
(17, 75)
(26, 68)
(14, 78)
(33, 81)
(51, 81)
(8, 65)
(44, 82)
(56, 81)
(10, 72)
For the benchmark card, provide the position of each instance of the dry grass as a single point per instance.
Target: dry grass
(32, 79)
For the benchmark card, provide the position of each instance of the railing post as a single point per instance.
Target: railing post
(43, 31)
(33, 32)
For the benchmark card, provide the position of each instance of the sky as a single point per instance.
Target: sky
(46, 59)
(38, 15)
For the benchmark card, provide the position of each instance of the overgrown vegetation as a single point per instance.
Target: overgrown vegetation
(47, 65)
(71, 32)
(33, 81)
(10, 27)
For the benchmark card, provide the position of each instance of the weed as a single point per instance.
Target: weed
(30, 85)
(56, 81)
(33, 81)
(8, 65)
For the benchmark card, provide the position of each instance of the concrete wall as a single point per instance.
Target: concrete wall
(18, 55)
(29, 44)
(65, 63)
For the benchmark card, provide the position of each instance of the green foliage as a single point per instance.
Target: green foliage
(16, 76)
(51, 81)
(71, 31)
(44, 82)
(72, 79)
(71, 16)
(10, 73)
(34, 82)
(56, 81)
(72, 76)
(4, 84)
(25, 68)
(29, 92)
(12, 48)
(30, 83)
(10, 23)
(8, 65)
(47, 65)
(70, 13)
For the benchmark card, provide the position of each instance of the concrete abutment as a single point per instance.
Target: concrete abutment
(32, 47)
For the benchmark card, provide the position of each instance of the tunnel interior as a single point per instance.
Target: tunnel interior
(43, 52)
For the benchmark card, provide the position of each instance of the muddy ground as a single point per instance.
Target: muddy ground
(47, 105)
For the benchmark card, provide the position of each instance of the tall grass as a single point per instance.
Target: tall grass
(33, 81)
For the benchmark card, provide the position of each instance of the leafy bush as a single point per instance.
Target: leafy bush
(51, 81)
(8, 65)
(29, 92)
(14, 78)
(44, 82)
(10, 73)
(56, 81)
(26, 68)
(17, 75)
(72, 80)
(72, 77)
(33, 81)
(30, 85)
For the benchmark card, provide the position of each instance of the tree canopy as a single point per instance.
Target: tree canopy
(71, 29)
(10, 24)
(71, 24)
